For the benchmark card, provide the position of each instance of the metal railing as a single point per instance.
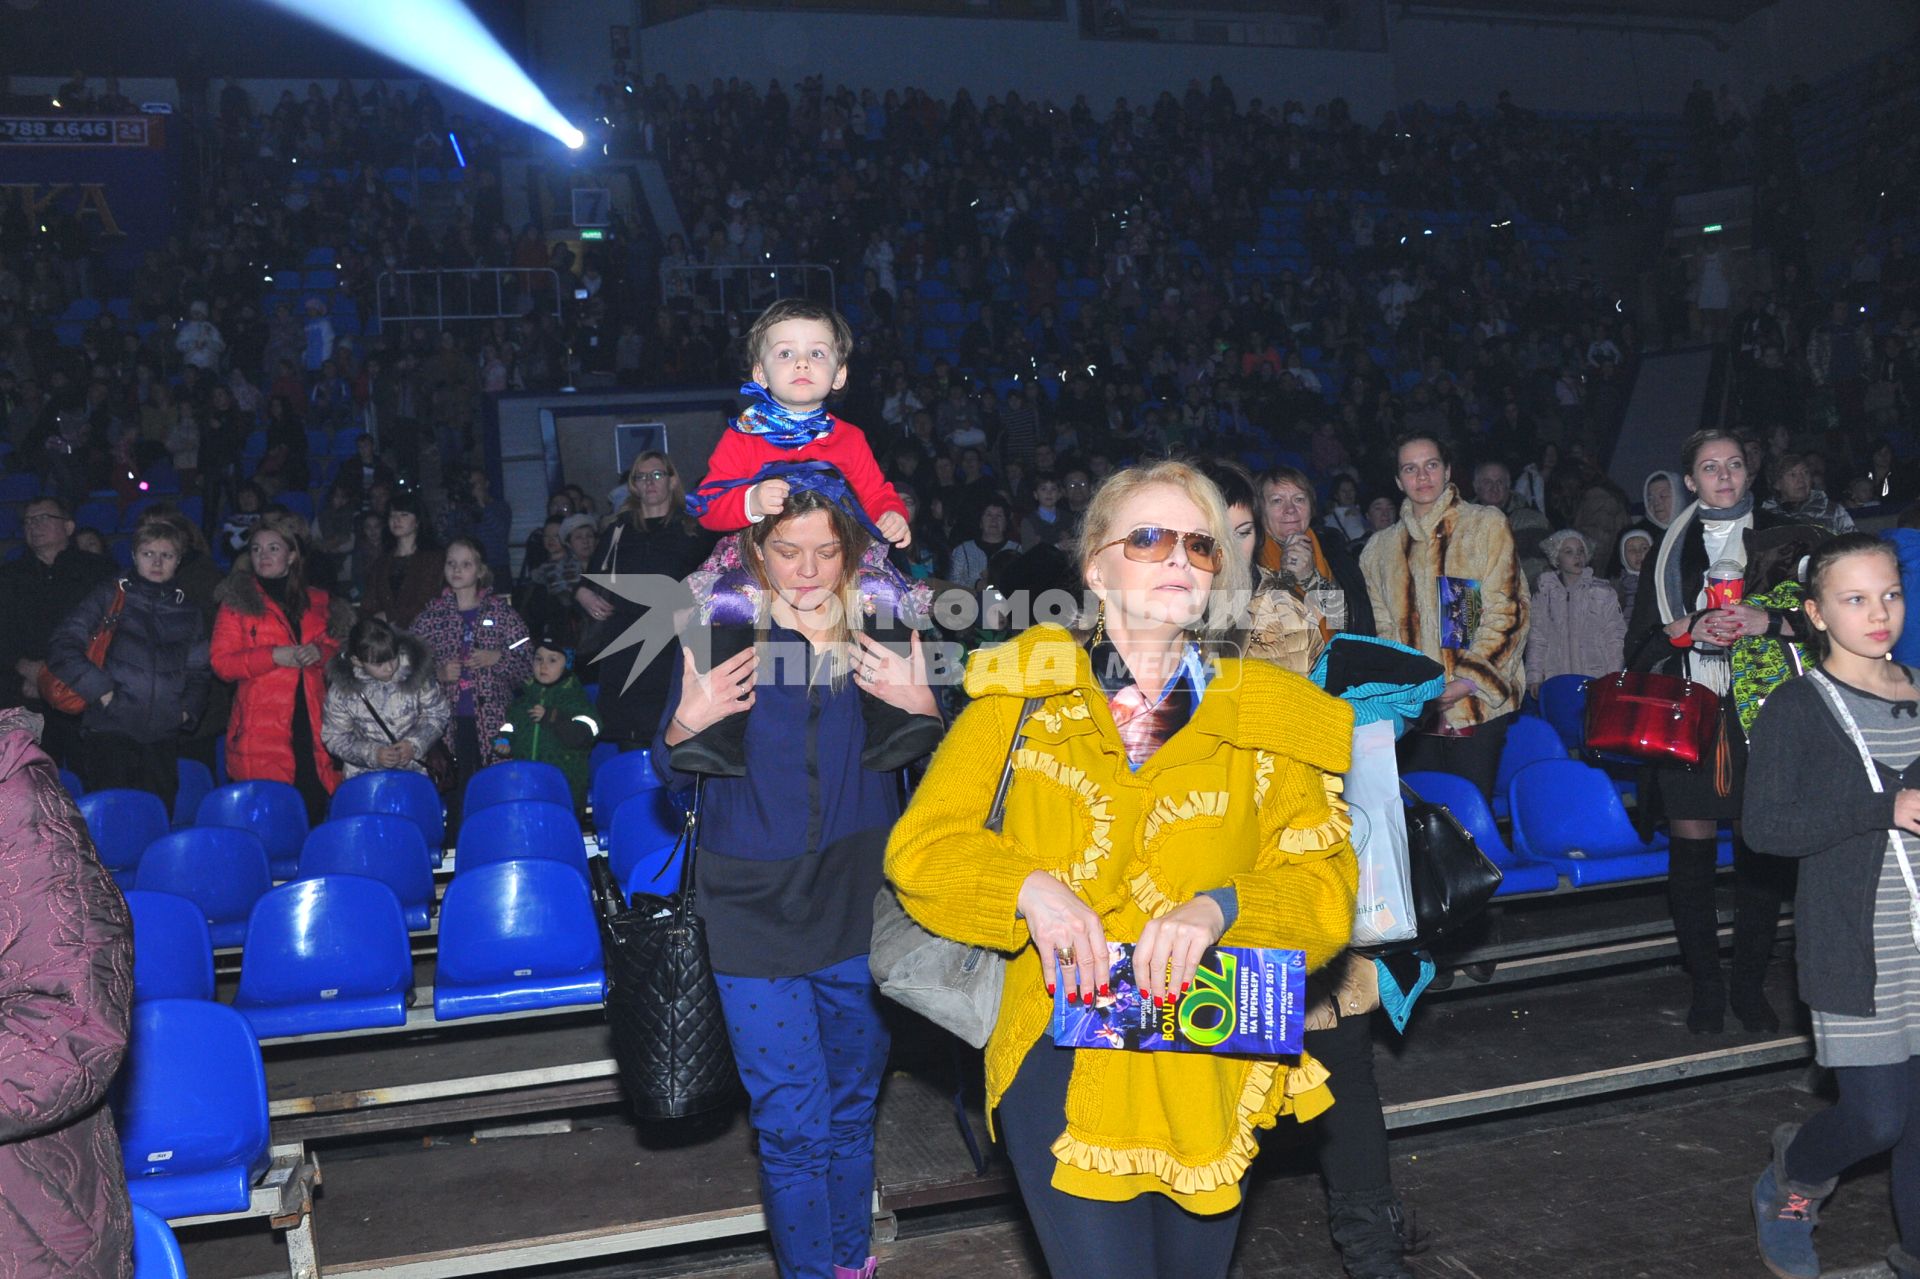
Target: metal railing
(746, 288)
(467, 293)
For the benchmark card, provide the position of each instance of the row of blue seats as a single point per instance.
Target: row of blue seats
(388, 823)
(331, 953)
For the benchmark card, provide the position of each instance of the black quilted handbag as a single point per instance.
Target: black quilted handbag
(1453, 879)
(669, 1036)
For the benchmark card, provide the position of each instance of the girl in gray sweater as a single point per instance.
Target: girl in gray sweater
(1832, 781)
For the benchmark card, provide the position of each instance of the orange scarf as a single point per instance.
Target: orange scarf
(1268, 558)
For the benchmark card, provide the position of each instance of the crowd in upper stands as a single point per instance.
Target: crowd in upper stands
(1040, 292)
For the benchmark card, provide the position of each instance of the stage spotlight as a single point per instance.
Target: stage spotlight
(443, 39)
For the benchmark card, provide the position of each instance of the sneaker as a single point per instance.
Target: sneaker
(1783, 1226)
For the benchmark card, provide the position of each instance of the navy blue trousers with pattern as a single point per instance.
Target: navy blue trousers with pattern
(812, 1051)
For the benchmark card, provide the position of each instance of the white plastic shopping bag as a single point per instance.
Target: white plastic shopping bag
(1383, 908)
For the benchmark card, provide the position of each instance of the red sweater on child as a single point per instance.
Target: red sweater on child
(844, 448)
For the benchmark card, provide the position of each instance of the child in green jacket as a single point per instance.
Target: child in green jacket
(551, 720)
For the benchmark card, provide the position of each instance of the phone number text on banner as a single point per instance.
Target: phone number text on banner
(136, 131)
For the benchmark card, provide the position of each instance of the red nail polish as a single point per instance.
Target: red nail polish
(1105, 993)
(1073, 996)
(1049, 988)
(1185, 986)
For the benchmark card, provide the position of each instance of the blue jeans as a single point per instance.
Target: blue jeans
(811, 1051)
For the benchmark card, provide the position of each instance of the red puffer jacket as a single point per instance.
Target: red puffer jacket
(250, 626)
(66, 989)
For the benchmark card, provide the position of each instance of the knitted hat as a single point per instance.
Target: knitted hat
(572, 522)
(1550, 545)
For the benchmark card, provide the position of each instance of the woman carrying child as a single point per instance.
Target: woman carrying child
(788, 900)
(1832, 782)
(384, 706)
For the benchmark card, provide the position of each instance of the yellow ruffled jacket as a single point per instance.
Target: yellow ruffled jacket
(1247, 794)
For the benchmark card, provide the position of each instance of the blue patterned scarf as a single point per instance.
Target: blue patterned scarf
(780, 426)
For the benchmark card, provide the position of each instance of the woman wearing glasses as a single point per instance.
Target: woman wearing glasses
(650, 534)
(1166, 794)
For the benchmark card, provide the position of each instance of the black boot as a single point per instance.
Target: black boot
(1368, 1228)
(1696, 926)
(1758, 888)
(1903, 1263)
(720, 749)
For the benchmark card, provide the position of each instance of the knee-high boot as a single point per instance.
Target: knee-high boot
(1760, 883)
(1696, 925)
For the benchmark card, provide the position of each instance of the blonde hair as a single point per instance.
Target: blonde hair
(1106, 513)
(853, 540)
(676, 492)
(483, 578)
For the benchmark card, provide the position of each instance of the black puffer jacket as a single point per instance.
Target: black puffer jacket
(157, 667)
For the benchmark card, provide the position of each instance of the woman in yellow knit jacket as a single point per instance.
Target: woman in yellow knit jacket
(1165, 794)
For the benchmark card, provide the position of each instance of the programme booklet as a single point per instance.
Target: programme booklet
(1245, 1002)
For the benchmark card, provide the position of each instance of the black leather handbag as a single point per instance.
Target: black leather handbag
(669, 1035)
(1452, 879)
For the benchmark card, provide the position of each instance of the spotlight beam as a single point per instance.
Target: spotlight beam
(442, 39)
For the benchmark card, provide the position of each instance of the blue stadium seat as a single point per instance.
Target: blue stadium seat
(221, 870)
(520, 828)
(123, 823)
(70, 780)
(516, 935)
(103, 517)
(294, 500)
(131, 512)
(10, 527)
(319, 444)
(1563, 703)
(517, 779)
(1530, 739)
(324, 955)
(272, 810)
(379, 846)
(1568, 815)
(19, 487)
(598, 757)
(255, 446)
(172, 949)
(345, 441)
(646, 827)
(399, 792)
(1464, 800)
(196, 781)
(156, 1253)
(626, 773)
(191, 1107)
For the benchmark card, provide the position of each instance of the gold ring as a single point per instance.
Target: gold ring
(1064, 954)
